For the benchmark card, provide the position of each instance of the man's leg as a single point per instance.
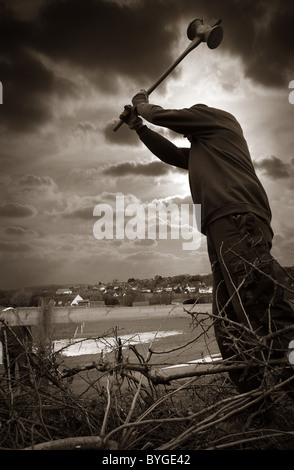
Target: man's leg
(230, 335)
(239, 250)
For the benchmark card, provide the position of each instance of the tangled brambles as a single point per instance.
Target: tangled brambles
(131, 404)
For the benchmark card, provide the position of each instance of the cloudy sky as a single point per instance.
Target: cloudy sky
(67, 69)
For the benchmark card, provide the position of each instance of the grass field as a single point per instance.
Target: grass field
(187, 345)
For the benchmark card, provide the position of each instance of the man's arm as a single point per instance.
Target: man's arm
(157, 144)
(162, 148)
(197, 120)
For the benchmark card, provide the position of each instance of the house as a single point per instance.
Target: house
(63, 291)
(158, 290)
(189, 289)
(76, 300)
(205, 290)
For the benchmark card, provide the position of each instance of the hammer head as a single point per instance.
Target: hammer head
(211, 33)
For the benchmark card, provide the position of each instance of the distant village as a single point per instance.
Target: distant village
(160, 290)
(182, 288)
(153, 291)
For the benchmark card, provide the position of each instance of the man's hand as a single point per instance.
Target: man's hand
(141, 97)
(131, 118)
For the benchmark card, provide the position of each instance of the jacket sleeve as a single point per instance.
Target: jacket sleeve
(162, 148)
(199, 120)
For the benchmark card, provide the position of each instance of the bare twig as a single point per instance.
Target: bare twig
(103, 427)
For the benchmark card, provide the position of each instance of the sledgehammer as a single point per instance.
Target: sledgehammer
(198, 31)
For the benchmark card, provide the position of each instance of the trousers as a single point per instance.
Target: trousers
(253, 299)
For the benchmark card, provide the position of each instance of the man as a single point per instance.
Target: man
(250, 301)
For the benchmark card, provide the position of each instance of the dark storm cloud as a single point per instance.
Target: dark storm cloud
(153, 169)
(106, 40)
(14, 247)
(84, 127)
(136, 39)
(30, 182)
(124, 136)
(17, 210)
(107, 37)
(85, 213)
(261, 33)
(19, 232)
(101, 39)
(273, 167)
(27, 83)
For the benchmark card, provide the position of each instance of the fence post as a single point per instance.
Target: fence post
(45, 322)
(44, 332)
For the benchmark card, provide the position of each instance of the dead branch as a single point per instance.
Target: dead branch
(76, 443)
(158, 376)
(266, 435)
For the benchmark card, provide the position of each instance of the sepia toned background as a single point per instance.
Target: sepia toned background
(68, 68)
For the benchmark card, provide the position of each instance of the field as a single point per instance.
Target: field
(187, 344)
(173, 335)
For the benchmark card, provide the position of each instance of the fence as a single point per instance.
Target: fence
(48, 313)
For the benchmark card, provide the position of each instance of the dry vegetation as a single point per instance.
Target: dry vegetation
(131, 405)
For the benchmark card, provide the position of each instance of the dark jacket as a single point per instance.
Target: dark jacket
(221, 174)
